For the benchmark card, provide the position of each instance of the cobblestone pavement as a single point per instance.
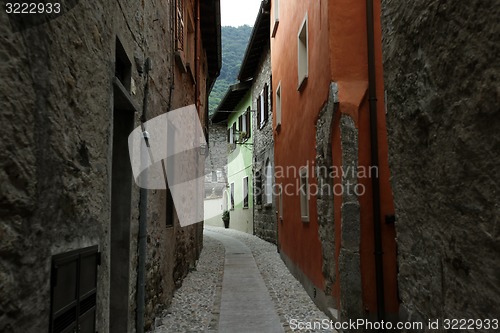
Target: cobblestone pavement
(195, 306)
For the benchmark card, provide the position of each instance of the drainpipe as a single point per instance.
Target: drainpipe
(143, 219)
(372, 98)
(197, 56)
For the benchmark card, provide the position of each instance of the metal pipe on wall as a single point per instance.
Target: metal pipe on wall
(372, 98)
(143, 220)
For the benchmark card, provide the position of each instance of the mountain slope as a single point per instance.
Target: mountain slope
(234, 44)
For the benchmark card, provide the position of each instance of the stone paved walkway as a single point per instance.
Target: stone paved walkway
(212, 300)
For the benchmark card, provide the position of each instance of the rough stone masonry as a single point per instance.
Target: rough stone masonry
(442, 74)
(56, 154)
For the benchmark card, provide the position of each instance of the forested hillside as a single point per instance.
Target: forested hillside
(234, 44)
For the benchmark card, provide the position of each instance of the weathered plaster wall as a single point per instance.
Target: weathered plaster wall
(441, 73)
(294, 143)
(216, 162)
(239, 166)
(56, 155)
(337, 56)
(349, 70)
(56, 97)
(217, 144)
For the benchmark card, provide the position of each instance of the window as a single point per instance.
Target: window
(244, 123)
(278, 106)
(304, 195)
(262, 109)
(258, 188)
(123, 66)
(269, 183)
(230, 134)
(214, 176)
(179, 25)
(280, 203)
(232, 196)
(263, 106)
(170, 165)
(266, 102)
(224, 201)
(248, 120)
(276, 12)
(73, 291)
(259, 112)
(190, 43)
(302, 41)
(245, 192)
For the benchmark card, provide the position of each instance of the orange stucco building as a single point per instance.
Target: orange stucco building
(331, 159)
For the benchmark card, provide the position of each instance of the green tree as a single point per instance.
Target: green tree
(234, 44)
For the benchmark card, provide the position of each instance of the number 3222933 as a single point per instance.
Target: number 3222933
(32, 8)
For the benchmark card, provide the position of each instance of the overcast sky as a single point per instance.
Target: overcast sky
(239, 12)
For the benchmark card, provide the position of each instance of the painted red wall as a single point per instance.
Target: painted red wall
(295, 142)
(349, 63)
(337, 52)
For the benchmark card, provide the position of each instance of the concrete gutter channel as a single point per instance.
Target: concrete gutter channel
(245, 304)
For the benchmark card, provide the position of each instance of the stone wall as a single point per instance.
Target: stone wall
(216, 161)
(351, 293)
(56, 155)
(325, 197)
(218, 149)
(263, 151)
(441, 73)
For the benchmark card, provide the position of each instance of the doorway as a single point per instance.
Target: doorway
(121, 186)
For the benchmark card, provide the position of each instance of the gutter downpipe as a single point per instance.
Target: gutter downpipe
(143, 219)
(372, 98)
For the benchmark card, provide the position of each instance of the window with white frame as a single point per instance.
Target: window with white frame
(276, 13)
(231, 206)
(179, 25)
(304, 195)
(224, 205)
(244, 122)
(248, 118)
(302, 41)
(245, 192)
(258, 188)
(278, 105)
(189, 43)
(280, 203)
(269, 183)
(231, 131)
(243, 128)
(263, 107)
(239, 138)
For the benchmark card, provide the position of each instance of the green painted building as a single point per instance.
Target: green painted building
(235, 110)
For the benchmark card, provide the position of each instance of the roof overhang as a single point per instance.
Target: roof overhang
(259, 42)
(231, 99)
(211, 35)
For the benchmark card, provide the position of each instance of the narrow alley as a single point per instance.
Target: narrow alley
(182, 166)
(240, 284)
